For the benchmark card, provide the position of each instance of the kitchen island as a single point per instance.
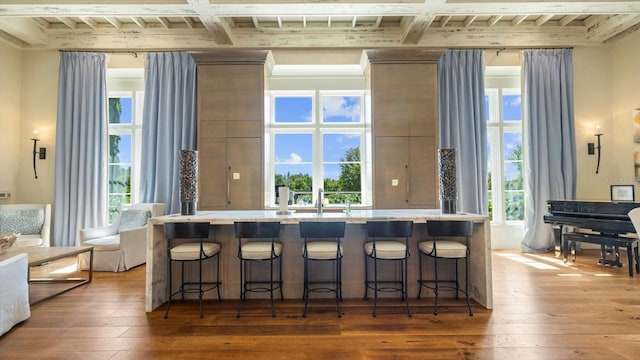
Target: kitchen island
(480, 282)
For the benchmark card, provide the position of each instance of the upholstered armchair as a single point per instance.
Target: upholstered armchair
(121, 245)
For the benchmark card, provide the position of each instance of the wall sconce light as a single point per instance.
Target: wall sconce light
(591, 147)
(42, 152)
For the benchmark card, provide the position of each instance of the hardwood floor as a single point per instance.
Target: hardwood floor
(543, 309)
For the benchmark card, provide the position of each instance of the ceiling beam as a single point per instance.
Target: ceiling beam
(199, 39)
(414, 31)
(68, 22)
(218, 28)
(24, 29)
(609, 26)
(314, 7)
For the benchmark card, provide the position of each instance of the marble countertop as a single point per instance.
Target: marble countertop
(227, 217)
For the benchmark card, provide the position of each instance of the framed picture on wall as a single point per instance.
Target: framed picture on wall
(622, 193)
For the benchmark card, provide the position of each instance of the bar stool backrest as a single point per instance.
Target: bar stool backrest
(257, 230)
(186, 230)
(396, 228)
(313, 229)
(450, 228)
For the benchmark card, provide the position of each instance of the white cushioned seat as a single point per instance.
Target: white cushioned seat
(322, 250)
(191, 250)
(387, 249)
(29, 240)
(259, 250)
(105, 243)
(445, 249)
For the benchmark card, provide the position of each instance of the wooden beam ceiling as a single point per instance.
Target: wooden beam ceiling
(205, 24)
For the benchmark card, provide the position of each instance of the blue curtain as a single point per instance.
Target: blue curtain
(169, 125)
(81, 135)
(461, 103)
(551, 158)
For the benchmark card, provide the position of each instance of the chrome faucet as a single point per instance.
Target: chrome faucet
(319, 205)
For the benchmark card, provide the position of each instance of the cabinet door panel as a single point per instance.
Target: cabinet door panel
(244, 156)
(423, 187)
(404, 99)
(230, 92)
(212, 174)
(391, 157)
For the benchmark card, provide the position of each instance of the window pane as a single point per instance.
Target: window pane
(115, 205)
(120, 149)
(299, 179)
(489, 175)
(341, 166)
(487, 108)
(120, 110)
(341, 109)
(293, 157)
(511, 108)
(513, 179)
(514, 205)
(293, 109)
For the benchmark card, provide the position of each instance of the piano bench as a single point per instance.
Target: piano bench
(608, 244)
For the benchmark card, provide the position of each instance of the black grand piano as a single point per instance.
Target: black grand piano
(608, 219)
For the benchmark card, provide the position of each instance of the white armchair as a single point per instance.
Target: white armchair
(121, 245)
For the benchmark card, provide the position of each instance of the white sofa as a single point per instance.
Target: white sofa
(121, 245)
(31, 221)
(14, 291)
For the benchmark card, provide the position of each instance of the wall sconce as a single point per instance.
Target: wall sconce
(591, 147)
(42, 152)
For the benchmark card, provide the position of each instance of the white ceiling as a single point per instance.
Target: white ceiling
(207, 24)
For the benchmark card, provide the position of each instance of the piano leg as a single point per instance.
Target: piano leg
(637, 256)
(630, 259)
(560, 247)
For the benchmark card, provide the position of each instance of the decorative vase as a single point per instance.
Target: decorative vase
(188, 181)
(448, 178)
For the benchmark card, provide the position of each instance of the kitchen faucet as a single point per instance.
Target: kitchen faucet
(320, 201)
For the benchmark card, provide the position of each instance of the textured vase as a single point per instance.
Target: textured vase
(448, 187)
(188, 181)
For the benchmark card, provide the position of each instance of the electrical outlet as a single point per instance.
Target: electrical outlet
(4, 195)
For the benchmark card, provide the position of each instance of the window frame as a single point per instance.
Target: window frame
(126, 83)
(496, 128)
(317, 128)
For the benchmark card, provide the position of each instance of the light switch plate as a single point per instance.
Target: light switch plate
(394, 182)
(236, 176)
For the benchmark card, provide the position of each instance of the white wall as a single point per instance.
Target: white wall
(10, 94)
(38, 112)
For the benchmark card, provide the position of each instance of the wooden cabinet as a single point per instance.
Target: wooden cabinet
(230, 106)
(404, 113)
(404, 99)
(231, 173)
(405, 172)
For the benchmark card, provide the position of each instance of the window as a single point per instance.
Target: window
(317, 139)
(505, 155)
(124, 132)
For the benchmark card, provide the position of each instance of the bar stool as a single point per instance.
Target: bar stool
(322, 249)
(446, 249)
(191, 251)
(387, 250)
(251, 251)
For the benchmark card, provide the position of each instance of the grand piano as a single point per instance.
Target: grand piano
(609, 221)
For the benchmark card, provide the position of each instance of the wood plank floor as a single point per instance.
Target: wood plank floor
(543, 309)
